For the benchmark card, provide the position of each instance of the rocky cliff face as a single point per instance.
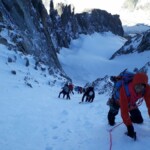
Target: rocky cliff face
(32, 30)
(28, 25)
(139, 43)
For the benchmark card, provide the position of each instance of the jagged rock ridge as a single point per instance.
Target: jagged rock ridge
(67, 25)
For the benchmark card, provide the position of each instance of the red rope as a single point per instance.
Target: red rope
(110, 135)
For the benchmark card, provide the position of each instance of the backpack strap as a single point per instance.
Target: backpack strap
(126, 89)
(116, 94)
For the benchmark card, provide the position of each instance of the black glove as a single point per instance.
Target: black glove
(131, 132)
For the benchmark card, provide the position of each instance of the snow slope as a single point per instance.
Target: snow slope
(34, 118)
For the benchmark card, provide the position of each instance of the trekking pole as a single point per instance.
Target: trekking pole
(110, 135)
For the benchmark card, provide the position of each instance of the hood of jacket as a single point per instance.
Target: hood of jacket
(140, 78)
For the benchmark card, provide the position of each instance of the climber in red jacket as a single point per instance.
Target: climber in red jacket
(139, 90)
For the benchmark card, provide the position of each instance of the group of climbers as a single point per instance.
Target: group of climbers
(88, 93)
(128, 93)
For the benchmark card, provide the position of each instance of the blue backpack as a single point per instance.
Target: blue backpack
(123, 79)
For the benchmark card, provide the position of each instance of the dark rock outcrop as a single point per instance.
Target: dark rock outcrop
(67, 25)
(139, 43)
(28, 26)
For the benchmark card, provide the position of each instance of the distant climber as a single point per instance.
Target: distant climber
(88, 95)
(65, 91)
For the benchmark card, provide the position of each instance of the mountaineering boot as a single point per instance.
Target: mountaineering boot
(130, 132)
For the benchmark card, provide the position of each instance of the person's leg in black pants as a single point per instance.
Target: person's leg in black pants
(68, 96)
(60, 93)
(113, 111)
(136, 116)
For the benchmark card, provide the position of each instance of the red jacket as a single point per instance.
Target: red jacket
(71, 87)
(125, 101)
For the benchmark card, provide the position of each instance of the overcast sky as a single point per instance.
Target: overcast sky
(110, 5)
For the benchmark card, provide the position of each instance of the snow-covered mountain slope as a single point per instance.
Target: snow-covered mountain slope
(138, 43)
(91, 55)
(32, 117)
(136, 29)
(23, 70)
